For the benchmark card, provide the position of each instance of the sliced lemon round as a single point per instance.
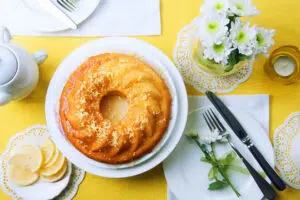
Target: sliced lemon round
(48, 150)
(21, 176)
(29, 157)
(20, 160)
(59, 175)
(52, 159)
(53, 169)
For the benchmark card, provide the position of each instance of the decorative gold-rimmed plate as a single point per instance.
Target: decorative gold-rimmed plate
(35, 135)
(287, 150)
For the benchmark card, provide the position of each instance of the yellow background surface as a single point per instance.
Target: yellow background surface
(282, 15)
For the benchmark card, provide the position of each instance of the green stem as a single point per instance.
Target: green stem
(207, 156)
(212, 157)
(223, 173)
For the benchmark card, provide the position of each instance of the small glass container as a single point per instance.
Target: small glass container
(284, 64)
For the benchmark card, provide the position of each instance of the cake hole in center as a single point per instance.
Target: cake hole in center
(114, 106)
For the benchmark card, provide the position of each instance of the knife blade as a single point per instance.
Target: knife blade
(238, 129)
(51, 8)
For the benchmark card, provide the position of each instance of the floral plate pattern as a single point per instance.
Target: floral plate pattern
(287, 150)
(77, 174)
(193, 75)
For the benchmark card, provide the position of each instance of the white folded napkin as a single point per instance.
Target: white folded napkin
(112, 17)
(256, 105)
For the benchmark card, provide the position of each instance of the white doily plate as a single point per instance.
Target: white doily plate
(63, 189)
(287, 150)
(193, 75)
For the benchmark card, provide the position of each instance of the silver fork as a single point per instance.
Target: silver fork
(69, 5)
(214, 123)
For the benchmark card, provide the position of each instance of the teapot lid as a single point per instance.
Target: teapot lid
(8, 65)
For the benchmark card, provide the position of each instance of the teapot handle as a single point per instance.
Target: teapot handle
(5, 98)
(5, 35)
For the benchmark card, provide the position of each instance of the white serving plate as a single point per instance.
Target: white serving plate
(160, 64)
(41, 190)
(40, 20)
(187, 176)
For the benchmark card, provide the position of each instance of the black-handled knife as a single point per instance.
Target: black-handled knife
(243, 136)
(267, 190)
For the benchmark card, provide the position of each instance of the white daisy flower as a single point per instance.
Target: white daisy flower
(211, 137)
(212, 28)
(264, 38)
(218, 52)
(243, 37)
(243, 8)
(215, 6)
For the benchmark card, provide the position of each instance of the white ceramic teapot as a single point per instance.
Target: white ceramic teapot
(19, 71)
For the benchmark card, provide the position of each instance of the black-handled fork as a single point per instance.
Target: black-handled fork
(214, 123)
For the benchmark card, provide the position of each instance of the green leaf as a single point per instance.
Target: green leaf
(213, 174)
(228, 159)
(204, 159)
(217, 185)
(243, 170)
(192, 134)
(233, 59)
(243, 57)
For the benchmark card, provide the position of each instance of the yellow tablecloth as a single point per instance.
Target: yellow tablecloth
(282, 15)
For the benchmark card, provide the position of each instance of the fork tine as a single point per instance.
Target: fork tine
(218, 122)
(207, 122)
(212, 120)
(62, 4)
(71, 3)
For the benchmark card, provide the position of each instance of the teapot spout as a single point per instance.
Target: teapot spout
(40, 56)
(5, 35)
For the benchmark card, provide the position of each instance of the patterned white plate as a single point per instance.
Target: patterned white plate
(287, 150)
(69, 184)
(193, 75)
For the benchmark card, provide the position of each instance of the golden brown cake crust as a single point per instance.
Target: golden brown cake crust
(143, 126)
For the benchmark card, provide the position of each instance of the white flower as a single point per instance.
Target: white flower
(264, 38)
(211, 137)
(243, 8)
(218, 52)
(212, 28)
(243, 37)
(215, 6)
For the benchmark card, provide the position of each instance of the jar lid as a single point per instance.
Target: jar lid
(8, 65)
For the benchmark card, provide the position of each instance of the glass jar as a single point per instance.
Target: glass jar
(284, 64)
(212, 68)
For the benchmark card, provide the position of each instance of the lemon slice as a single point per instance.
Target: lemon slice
(59, 175)
(48, 150)
(29, 157)
(21, 176)
(53, 169)
(20, 160)
(52, 159)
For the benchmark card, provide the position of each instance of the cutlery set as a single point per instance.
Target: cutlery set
(214, 123)
(57, 10)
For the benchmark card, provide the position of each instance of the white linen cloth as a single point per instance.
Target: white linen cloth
(256, 105)
(111, 18)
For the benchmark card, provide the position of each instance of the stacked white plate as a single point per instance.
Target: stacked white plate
(160, 63)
